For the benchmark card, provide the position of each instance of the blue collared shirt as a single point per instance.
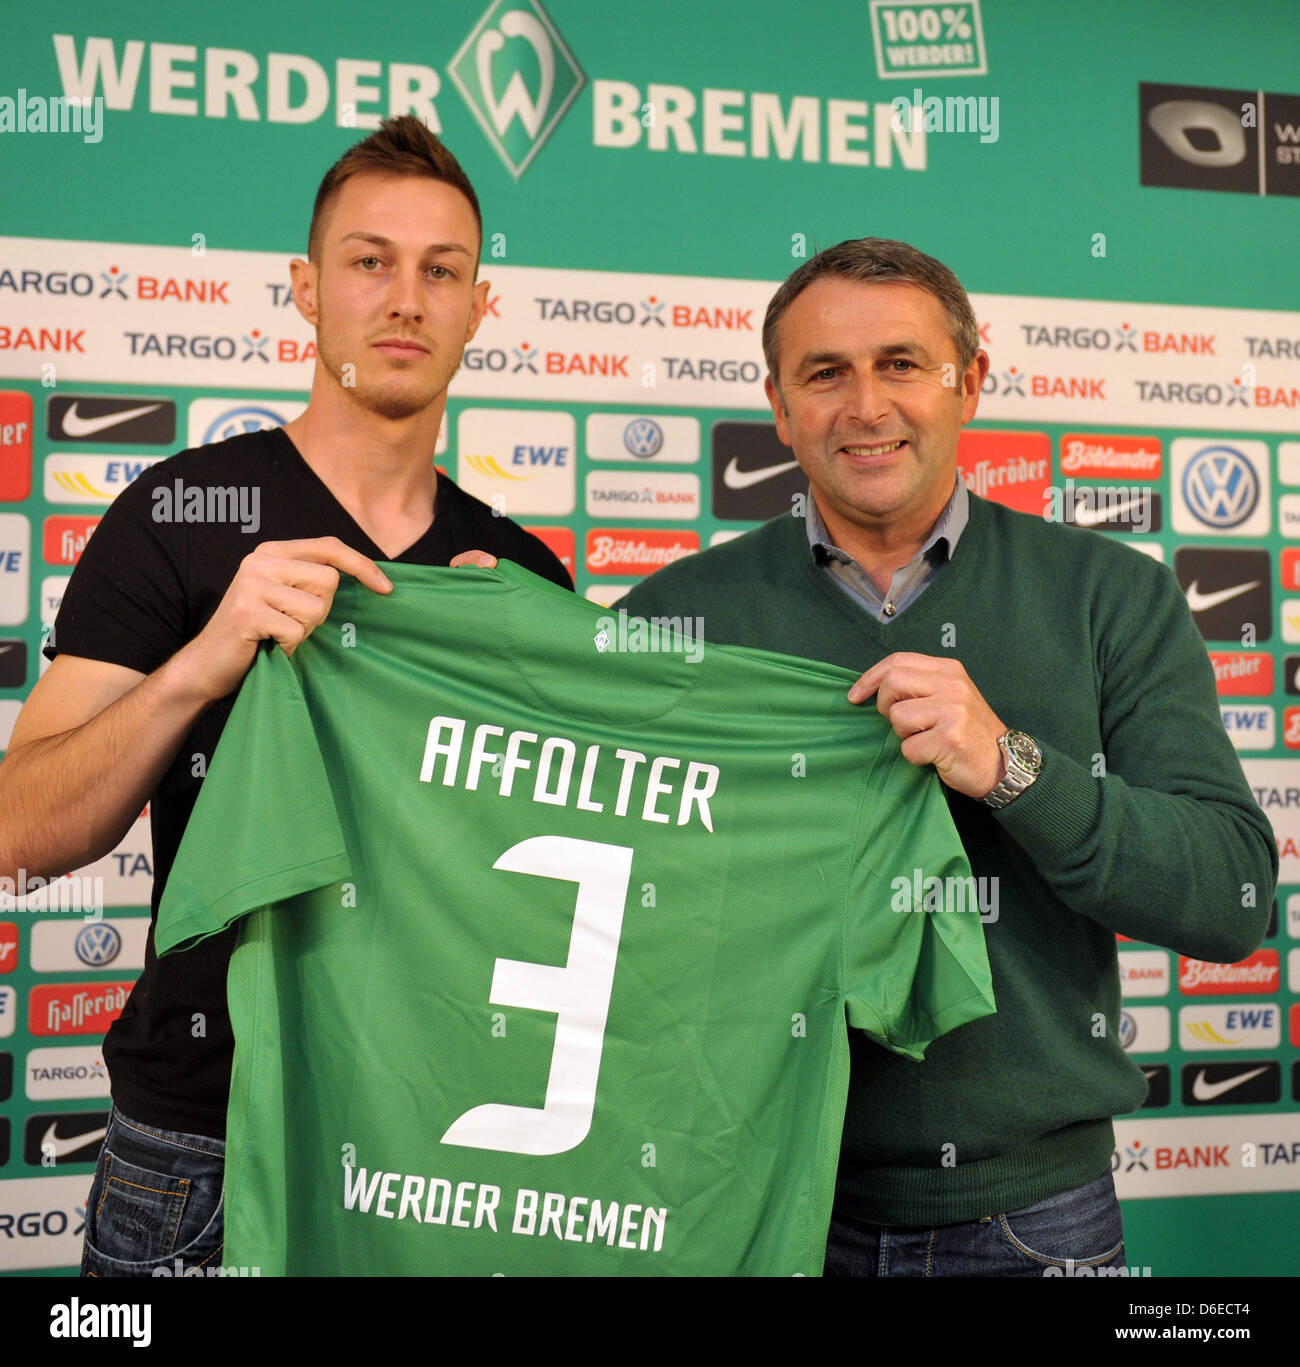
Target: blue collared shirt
(907, 584)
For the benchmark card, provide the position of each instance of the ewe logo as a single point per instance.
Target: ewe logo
(1229, 1027)
(518, 79)
(518, 460)
(91, 479)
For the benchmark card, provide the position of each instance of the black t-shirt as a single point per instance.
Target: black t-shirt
(143, 589)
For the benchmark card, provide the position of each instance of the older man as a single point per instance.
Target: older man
(1055, 680)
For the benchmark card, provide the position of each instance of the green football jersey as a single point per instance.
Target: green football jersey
(552, 940)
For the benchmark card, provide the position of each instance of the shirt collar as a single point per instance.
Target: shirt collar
(948, 528)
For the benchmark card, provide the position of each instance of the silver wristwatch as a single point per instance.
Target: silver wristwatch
(1024, 764)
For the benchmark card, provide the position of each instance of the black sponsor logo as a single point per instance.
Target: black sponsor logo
(1195, 137)
(6, 1076)
(13, 662)
(1240, 1083)
(755, 477)
(1280, 133)
(1157, 1076)
(1227, 591)
(1272, 921)
(4, 1141)
(1295, 1080)
(110, 419)
(1291, 675)
(1115, 509)
(64, 1137)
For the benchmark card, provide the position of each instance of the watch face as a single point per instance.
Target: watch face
(1025, 751)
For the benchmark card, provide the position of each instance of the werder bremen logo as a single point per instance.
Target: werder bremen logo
(517, 77)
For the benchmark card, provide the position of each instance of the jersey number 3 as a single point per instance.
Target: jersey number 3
(578, 994)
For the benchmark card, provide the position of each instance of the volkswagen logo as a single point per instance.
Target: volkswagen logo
(98, 944)
(1221, 487)
(643, 437)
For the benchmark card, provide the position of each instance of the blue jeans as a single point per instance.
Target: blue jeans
(1080, 1228)
(155, 1207)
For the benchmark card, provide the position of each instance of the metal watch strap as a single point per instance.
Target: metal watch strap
(1013, 782)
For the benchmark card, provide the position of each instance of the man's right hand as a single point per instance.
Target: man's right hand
(93, 739)
(282, 591)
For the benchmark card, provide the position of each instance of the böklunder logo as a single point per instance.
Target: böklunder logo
(612, 551)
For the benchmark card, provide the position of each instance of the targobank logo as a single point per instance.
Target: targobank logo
(518, 79)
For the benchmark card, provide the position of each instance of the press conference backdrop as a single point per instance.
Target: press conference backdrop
(1116, 185)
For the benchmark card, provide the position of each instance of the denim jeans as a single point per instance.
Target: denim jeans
(155, 1205)
(1080, 1228)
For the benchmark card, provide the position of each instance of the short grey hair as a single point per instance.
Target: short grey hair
(878, 261)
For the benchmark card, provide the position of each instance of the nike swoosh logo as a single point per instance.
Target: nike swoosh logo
(735, 478)
(1149, 1073)
(58, 1147)
(1207, 1091)
(4, 649)
(76, 426)
(1198, 601)
(1089, 517)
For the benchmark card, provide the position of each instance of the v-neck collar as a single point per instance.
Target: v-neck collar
(969, 545)
(369, 547)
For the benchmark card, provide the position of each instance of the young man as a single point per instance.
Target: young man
(1057, 683)
(162, 620)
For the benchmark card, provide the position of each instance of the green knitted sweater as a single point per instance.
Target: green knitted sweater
(1141, 823)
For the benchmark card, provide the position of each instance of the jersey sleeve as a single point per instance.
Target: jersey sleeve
(265, 826)
(915, 960)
